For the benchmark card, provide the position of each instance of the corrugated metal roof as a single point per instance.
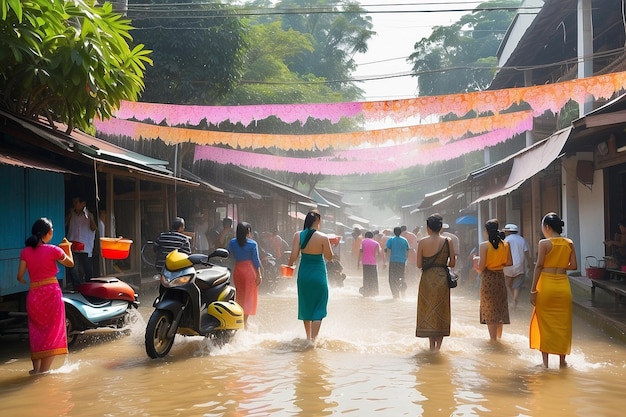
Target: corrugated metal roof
(193, 177)
(549, 45)
(277, 185)
(103, 149)
(98, 150)
(7, 158)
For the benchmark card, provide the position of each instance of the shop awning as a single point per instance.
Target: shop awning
(108, 165)
(331, 197)
(358, 219)
(271, 183)
(320, 199)
(102, 152)
(9, 158)
(297, 215)
(468, 219)
(528, 162)
(193, 177)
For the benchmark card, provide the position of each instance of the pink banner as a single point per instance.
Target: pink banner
(365, 161)
(541, 98)
(444, 132)
(174, 114)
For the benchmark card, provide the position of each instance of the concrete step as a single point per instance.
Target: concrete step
(602, 311)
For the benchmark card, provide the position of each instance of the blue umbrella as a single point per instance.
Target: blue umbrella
(467, 219)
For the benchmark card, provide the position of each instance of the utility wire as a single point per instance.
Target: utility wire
(169, 11)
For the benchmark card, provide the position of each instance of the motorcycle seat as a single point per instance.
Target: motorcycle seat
(213, 277)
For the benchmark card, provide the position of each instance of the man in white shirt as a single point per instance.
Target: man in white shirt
(514, 275)
(81, 231)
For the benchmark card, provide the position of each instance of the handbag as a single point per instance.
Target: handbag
(452, 278)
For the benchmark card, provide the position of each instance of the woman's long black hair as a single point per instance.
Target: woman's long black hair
(40, 228)
(493, 230)
(310, 218)
(242, 233)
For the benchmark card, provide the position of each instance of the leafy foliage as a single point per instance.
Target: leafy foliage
(268, 79)
(337, 34)
(67, 60)
(198, 50)
(450, 60)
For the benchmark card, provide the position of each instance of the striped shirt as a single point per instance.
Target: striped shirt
(167, 242)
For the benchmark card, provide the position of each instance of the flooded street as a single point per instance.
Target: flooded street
(367, 362)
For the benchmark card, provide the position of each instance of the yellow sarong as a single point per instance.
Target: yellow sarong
(551, 322)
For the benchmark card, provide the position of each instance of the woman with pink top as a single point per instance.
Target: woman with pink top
(368, 257)
(46, 311)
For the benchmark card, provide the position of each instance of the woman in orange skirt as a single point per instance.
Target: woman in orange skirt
(550, 292)
(44, 304)
(247, 273)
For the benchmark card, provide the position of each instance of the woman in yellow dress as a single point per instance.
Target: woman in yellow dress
(550, 292)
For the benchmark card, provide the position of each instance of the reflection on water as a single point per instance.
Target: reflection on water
(366, 362)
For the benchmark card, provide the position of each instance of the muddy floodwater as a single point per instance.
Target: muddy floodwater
(366, 362)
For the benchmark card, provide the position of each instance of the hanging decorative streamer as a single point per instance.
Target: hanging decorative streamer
(540, 98)
(176, 114)
(444, 132)
(361, 161)
(419, 150)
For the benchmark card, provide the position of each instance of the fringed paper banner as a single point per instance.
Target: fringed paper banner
(174, 114)
(466, 145)
(540, 98)
(371, 161)
(444, 132)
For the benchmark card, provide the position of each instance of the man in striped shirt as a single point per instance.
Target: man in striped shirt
(169, 241)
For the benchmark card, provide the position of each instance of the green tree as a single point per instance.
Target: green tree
(338, 31)
(198, 49)
(450, 60)
(268, 79)
(67, 60)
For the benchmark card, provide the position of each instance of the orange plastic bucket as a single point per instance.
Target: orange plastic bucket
(115, 248)
(286, 271)
(334, 239)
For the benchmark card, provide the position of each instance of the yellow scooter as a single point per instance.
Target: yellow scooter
(193, 302)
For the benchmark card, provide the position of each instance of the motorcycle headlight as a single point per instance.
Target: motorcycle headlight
(175, 281)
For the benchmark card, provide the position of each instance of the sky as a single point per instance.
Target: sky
(397, 33)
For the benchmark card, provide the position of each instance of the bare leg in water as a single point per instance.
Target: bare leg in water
(42, 365)
(495, 331)
(312, 328)
(435, 343)
(562, 361)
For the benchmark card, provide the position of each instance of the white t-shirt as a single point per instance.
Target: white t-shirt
(79, 230)
(518, 247)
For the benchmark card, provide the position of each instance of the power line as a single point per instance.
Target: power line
(169, 11)
(570, 61)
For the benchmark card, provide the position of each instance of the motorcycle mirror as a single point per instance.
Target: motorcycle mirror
(220, 253)
(198, 258)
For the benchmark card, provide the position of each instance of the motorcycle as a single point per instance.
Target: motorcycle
(193, 302)
(271, 273)
(101, 302)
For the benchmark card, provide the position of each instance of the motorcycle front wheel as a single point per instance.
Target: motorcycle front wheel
(158, 344)
(71, 326)
(222, 337)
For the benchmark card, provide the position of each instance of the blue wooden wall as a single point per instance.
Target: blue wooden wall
(25, 196)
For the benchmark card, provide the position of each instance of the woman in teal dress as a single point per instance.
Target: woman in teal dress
(315, 249)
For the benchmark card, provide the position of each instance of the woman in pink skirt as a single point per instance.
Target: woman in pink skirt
(46, 311)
